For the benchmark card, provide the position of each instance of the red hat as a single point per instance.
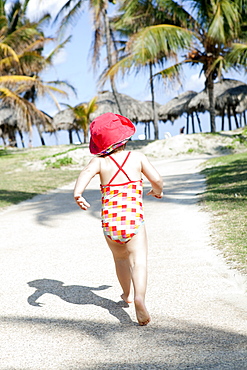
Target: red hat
(109, 130)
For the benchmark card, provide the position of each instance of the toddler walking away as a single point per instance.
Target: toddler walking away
(123, 225)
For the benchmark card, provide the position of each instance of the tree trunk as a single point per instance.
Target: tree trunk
(155, 121)
(210, 88)
(109, 57)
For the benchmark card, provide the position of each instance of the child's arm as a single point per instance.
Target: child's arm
(92, 169)
(153, 177)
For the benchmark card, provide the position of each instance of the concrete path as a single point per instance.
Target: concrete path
(59, 296)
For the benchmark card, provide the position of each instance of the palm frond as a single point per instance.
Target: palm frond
(37, 44)
(7, 51)
(2, 7)
(92, 106)
(238, 55)
(63, 84)
(57, 49)
(3, 23)
(71, 17)
(171, 74)
(225, 22)
(14, 100)
(161, 40)
(32, 63)
(27, 111)
(22, 37)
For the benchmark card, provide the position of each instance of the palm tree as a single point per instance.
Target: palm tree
(100, 21)
(21, 47)
(135, 15)
(214, 27)
(12, 89)
(82, 116)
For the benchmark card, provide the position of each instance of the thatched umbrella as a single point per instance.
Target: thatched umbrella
(64, 120)
(233, 100)
(135, 110)
(200, 102)
(176, 107)
(12, 120)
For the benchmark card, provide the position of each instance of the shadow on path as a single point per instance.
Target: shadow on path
(77, 294)
(174, 344)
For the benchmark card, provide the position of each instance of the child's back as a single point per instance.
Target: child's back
(132, 167)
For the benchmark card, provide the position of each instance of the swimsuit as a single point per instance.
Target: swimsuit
(122, 211)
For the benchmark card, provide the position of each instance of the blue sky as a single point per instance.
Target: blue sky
(74, 65)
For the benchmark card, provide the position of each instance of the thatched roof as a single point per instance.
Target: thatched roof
(64, 120)
(176, 107)
(200, 102)
(235, 97)
(135, 110)
(11, 116)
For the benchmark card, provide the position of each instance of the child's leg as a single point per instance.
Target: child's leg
(131, 264)
(137, 248)
(121, 259)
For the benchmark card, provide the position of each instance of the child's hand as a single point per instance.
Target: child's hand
(82, 203)
(156, 195)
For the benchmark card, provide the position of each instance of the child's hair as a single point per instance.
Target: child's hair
(118, 149)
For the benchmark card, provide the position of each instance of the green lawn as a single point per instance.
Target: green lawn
(19, 181)
(226, 197)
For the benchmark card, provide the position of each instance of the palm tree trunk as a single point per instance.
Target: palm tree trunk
(155, 121)
(109, 57)
(210, 88)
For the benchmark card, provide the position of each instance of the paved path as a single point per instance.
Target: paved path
(59, 297)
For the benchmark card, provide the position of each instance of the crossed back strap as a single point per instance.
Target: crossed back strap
(120, 168)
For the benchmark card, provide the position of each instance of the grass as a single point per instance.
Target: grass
(20, 180)
(226, 198)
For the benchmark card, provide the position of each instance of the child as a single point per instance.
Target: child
(122, 212)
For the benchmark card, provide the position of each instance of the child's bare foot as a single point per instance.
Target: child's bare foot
(125, 298)
(141, 312)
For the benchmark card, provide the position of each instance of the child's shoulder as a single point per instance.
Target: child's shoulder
(137, 155)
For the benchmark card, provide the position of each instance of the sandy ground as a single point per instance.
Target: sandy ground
(59, 296)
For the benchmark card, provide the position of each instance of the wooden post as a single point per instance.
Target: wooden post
(223, 119)
(193, 123)
(235, 117)
(199, 122)
(187, 124)
(229, 117)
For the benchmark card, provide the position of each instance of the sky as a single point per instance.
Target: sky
(74, 65)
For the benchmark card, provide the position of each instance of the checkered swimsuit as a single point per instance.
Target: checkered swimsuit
(122, 211)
